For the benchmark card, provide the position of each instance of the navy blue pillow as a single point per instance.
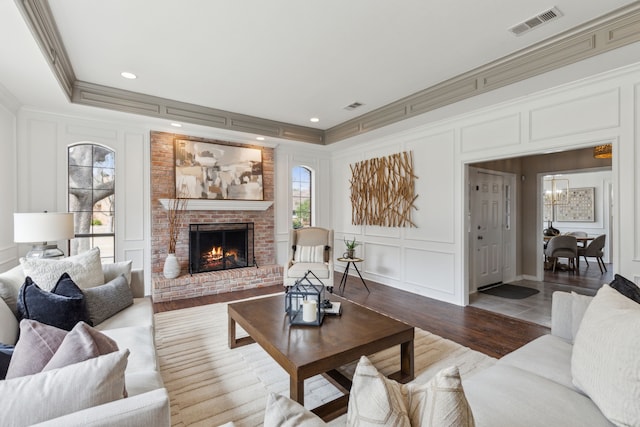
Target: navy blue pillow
(63, 307)
(626, 287)
(6, 351)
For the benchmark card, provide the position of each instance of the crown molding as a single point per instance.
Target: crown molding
(611, 31)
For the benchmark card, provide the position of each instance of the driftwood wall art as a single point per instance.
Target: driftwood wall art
(382, 191)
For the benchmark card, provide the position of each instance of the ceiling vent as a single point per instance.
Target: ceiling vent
(536, 21)
(353, 106)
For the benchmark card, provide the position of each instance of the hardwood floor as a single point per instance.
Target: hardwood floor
(481, 330)
(588, 277)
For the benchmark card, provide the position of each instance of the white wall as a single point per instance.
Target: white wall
(8, 180)
(431, 260)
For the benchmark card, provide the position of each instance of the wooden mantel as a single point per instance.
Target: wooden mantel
(223, 205)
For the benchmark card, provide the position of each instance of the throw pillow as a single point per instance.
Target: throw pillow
(375, 399)
(82, 343)
(309, 253)
(9, 325)
(37, 345)
(284, 412)
(114, 269)
(626, 287)
(6, 351)
(48, 307)
(10, 282)
(440, 402)
(85, 269)
(64, 390)
(605, 363)
(106, 300)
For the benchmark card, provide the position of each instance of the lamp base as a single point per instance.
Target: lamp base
(44, 251)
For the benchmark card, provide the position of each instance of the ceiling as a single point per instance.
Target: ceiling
(281, 60)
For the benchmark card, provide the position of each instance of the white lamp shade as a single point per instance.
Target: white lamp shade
(42, 227)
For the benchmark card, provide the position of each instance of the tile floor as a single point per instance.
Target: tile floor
(536, 308)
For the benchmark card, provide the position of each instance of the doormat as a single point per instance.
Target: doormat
(510, 291)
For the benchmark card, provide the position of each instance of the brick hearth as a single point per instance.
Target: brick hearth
(188, 286)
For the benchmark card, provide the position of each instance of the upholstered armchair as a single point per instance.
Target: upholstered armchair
(310, 249)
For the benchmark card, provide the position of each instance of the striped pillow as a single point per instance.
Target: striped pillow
(309, 254)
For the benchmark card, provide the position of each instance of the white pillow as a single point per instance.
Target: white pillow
(309, 253)
(85, 269)
(605, 363)
(65, 390)
(113, 270)
(284, 412)
(377, 400)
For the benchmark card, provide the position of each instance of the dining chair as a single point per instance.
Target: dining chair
(595, 249)
(562, 247)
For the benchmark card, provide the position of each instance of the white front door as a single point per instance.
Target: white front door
(487, 206)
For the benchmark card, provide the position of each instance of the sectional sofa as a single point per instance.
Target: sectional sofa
(132, 328)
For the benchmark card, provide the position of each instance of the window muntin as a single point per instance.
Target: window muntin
(91, 188)
(301, 195)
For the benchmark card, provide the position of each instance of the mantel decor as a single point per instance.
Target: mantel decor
(214, 171)
(303, 302)
(175, 212)
(382, 191)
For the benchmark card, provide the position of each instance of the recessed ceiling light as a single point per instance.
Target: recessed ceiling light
(260, 138)
(176, 125)
(128, 75)
(314, 119)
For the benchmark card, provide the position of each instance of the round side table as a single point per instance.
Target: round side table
(350, 262)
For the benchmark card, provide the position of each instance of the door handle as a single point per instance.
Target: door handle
(479, 237)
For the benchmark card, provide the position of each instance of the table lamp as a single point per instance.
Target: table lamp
(43, 227)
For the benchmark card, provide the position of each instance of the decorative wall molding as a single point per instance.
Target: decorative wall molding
(223, 205)
(611, 31)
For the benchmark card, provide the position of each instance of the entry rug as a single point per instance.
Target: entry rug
(210, 384)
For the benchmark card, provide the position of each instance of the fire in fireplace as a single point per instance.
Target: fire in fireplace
(220, 246)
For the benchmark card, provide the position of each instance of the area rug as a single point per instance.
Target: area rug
(210, 384)
(510, 291)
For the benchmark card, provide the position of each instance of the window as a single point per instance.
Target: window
(91, 189)
(301, 195)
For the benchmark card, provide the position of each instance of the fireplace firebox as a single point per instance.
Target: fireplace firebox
(220, 246)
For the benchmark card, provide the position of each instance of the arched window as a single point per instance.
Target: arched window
(302, 197)
(91, 188)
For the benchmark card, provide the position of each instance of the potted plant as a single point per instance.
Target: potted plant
(351, 248)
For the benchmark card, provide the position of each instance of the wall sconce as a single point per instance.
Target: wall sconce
(43, 227)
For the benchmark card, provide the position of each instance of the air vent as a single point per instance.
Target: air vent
(531, 23)
(353, 106)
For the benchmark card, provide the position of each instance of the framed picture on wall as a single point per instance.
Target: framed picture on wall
(215, 171)
(580, 206)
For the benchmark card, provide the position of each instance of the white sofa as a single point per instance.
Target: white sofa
(530, 387)
(533, 386)
(147, 403)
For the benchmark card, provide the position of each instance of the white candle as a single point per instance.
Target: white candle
(309, 310)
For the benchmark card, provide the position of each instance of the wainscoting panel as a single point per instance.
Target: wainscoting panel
(383, 261)
(8, 257)
(597, 111)
(499, 132)
(434, 166)
(132, 185)
(430, 271)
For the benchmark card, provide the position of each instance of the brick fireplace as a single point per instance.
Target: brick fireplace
(265, 273)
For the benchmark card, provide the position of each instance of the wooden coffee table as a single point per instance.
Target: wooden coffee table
(305, 351)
